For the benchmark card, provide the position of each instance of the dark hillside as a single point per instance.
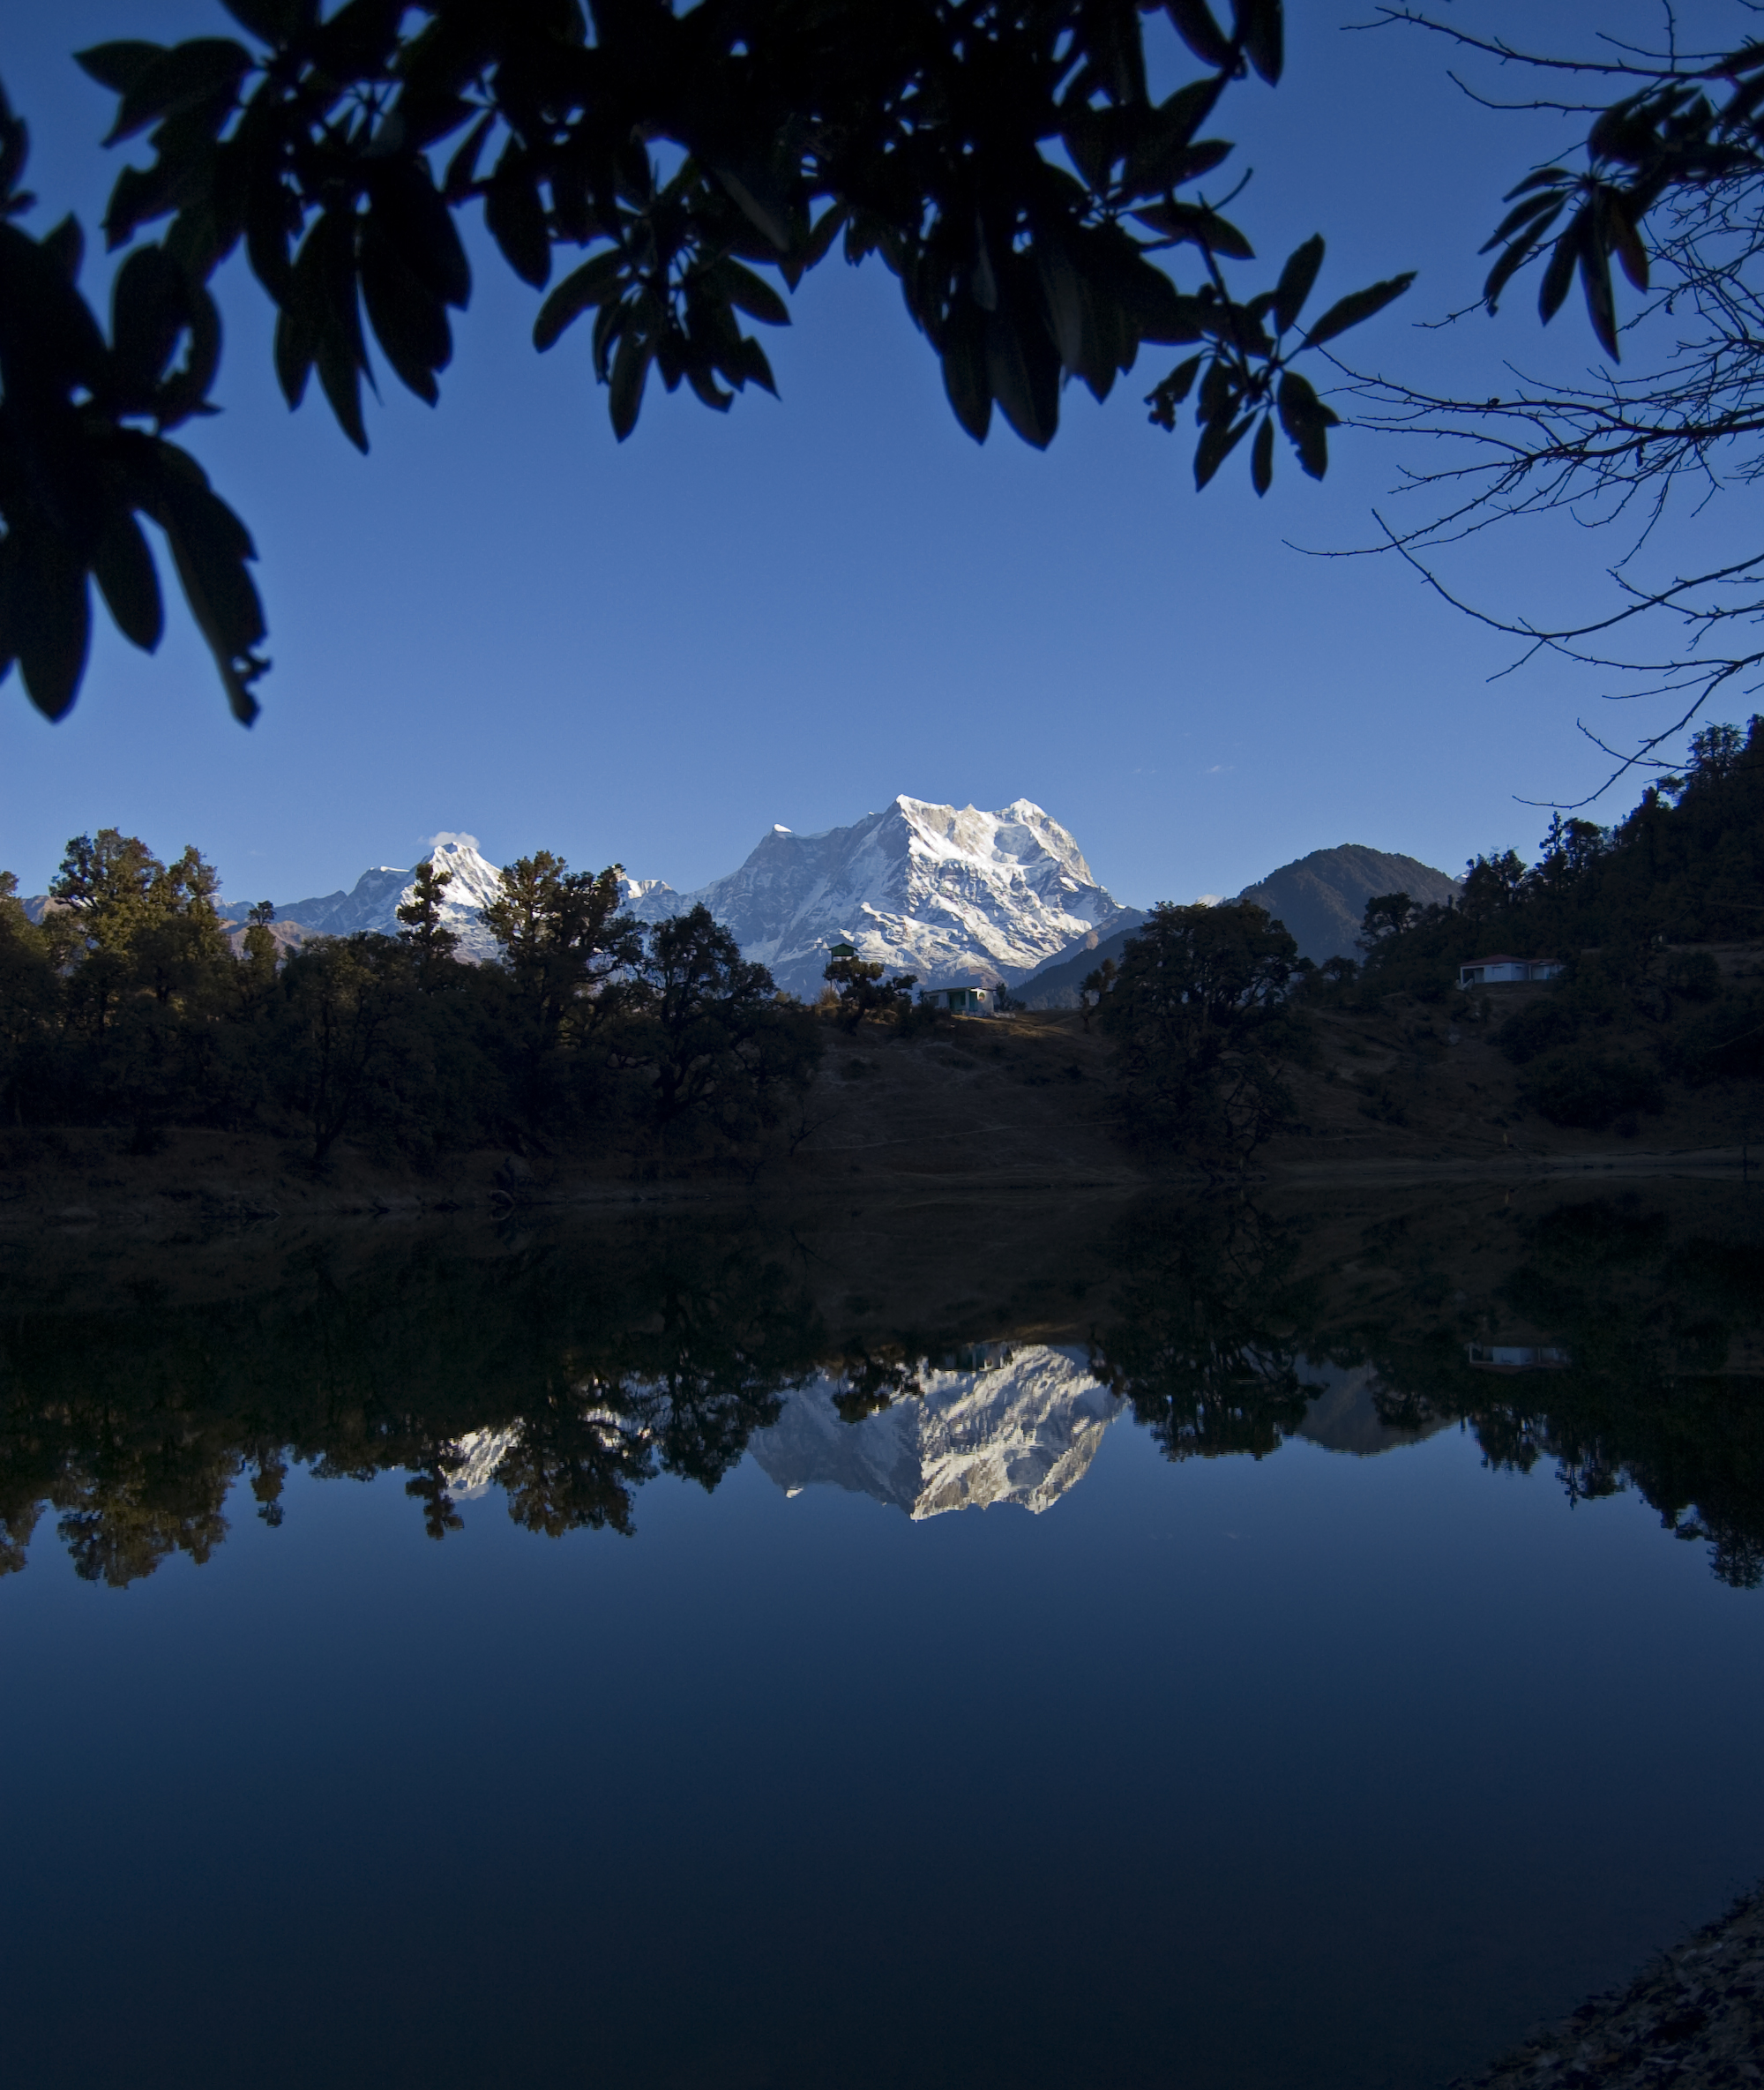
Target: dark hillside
(1322, 897)
(1057, 986)
(1685, 868)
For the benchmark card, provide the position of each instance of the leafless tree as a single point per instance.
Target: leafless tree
(1671, 191)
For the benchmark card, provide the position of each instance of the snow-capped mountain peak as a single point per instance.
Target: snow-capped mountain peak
(952, 893)
(372, 903)
(1019, 1425)
(1008, 1424)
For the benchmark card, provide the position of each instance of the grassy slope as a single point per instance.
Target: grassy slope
(988, 1104)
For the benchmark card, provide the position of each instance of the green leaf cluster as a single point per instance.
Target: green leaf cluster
(1680, 139)
(1008, 165)
(1244, 376)
(84, 458)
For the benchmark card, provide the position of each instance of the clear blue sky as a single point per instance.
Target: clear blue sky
(504, 622)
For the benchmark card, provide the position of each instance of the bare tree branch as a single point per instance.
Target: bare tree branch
(1673, 191)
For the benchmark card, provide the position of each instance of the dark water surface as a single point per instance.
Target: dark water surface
(1321, 1768)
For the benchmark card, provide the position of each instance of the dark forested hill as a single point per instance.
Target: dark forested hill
(1322, 897)
(1055, 985)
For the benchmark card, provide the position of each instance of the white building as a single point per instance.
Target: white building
(1501, 970)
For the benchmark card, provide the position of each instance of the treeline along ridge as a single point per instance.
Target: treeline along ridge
(128, 1003)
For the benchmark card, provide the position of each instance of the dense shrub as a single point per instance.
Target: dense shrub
(1201, 1015)
(1694, 976)
(1728, 1040)
(1592, 1089)
(1528, 1031)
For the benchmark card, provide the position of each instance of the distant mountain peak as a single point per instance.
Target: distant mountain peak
(950, 893)
(1322, 897)
(1023, 1427)
(372, 903)
(448, 844)
(955, 894)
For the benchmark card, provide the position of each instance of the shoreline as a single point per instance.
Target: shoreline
(366, 1191)
(1693, 2018)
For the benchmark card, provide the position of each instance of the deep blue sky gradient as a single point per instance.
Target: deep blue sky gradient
(504, 622)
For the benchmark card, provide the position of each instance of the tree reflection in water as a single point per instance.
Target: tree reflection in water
(1211, 1320)
(1662, 1392)
(570, 1371)
(593, 1366)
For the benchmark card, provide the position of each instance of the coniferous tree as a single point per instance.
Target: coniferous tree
(561, 937)
(261, 956)
(425, 929)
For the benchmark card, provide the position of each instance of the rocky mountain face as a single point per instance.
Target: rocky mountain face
(955, 895)
(1057, 984)
(373, 901)
(1018, 1425)
(1322, 897)
(1001, 1423)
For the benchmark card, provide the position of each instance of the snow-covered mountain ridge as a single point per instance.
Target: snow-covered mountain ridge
(374, 899)
(953, 895)
(1023, 1427)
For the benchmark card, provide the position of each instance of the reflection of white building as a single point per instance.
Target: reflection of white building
(1017, 1425)
(1502, 971)
(1517, 1357)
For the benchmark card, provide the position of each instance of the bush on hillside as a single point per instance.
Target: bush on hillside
(1728, 1041)
(1591, 1090)
(1694, 976)
(1528, 1031)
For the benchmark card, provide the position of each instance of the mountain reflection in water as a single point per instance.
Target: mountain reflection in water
(567, 1366)
(1021, 1428)
(1245, 1763)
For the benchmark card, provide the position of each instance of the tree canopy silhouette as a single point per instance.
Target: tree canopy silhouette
(666, 175)
(1004, 161)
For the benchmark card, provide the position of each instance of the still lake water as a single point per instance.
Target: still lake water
(1310, 1769)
